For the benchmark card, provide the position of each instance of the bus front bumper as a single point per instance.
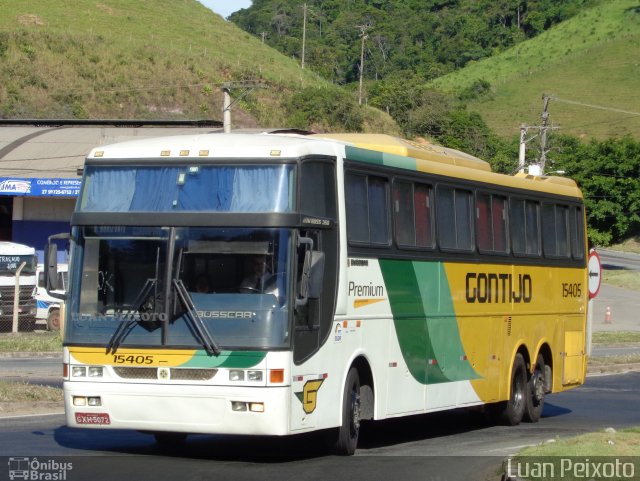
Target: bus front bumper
(178, 408)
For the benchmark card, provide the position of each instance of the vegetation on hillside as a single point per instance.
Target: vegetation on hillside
(428, 38)
(586, 64)
(168, 59)
(127, 59)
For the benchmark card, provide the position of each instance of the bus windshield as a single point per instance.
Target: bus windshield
(151, 286)
(219, 188)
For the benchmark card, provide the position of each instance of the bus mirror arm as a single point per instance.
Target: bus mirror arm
(51, 265)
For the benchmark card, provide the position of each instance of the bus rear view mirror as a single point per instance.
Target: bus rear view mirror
(311, 281)
(315, 275)
(51, 266)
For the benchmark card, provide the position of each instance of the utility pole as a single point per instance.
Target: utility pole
(249, 86)
(523, 148)
(543, 129)
(543, 133)
(304, 31)
(363, 36)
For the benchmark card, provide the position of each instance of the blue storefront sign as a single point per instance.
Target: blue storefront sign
(39, 187)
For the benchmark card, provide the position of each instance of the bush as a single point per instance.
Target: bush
(323, 108)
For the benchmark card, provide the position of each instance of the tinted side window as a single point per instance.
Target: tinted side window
(357, 208)
(555, 230)
(318, 196)
(424, 218)
(524, 224)
(577, 233)
(454, 218)
(491, 223)
(403, 213)
(412, 214)
(367, 209)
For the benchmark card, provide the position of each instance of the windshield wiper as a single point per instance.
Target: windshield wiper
(206, 338)
(129, 321)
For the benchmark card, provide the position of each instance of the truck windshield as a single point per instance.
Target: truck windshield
(9, 264)
(232, 280)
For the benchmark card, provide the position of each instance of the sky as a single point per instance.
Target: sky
(225, 7)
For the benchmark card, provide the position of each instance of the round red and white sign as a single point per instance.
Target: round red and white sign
(595, 273)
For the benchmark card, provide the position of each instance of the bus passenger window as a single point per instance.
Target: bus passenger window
(555, 231)
(577, 233)
(525, 233)
(367, 201)
(403, 214)
(454, 218)
(424, 223)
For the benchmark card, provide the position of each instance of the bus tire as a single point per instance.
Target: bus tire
(535, 392)
(53, 320)
(350, 429)
(513, 409)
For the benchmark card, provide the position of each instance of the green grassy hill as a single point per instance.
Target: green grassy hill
(592, 59)
(133, 59)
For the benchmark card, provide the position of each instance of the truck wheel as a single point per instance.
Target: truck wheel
(53, 320)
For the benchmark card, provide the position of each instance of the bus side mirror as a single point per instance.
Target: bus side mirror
(51, 266)
(312, 273)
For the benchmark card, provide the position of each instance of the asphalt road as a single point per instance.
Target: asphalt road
(619, 260)
(442, 446)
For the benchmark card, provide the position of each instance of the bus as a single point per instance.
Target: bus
(396, 278)
(17, 276)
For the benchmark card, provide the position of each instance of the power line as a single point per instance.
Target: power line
(592, 106)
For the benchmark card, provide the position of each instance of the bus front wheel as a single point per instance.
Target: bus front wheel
(350, 429)
(513, 409)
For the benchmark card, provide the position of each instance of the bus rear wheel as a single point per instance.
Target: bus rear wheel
(535, 392)
(349, 431)
(53, 320)
(513, 409)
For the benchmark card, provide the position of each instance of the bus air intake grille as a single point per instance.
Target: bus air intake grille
(176, 374)
(136, 372)
(186, 374)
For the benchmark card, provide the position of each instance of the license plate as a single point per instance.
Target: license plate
(92, 418)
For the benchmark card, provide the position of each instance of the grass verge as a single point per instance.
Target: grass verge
(616, 337)
(622, 278)
(593, 456)
(595, 362)
(630, 245)
(31, 342)
(19, 392)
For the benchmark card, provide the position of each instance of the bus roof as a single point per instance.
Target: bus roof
(408, 148)
(370, 148)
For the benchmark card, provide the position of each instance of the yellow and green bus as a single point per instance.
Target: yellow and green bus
(280, 283)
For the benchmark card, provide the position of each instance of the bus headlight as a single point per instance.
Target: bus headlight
(95, 371)
(254, 376)
(236, 375)
(78, 371)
